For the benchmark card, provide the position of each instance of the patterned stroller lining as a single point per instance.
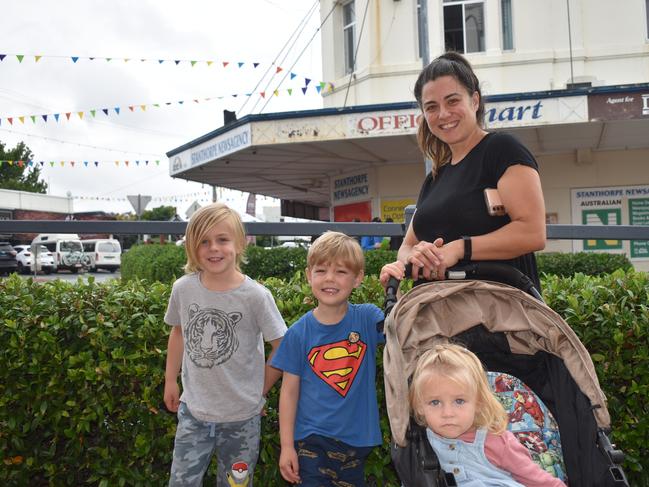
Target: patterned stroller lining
(513, 333)
(530, 421)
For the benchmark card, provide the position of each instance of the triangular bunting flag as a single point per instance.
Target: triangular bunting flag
(290, 91)
(67, 115)
(20, 57)
(255, 65)
(22, 119)
(11, 120)
(117, 163)
(80, 115)
(44, 118)
(126, 162)
(146, 163)
(2, 57)
(11, 163)
(75, 59)
(56, 116)
(126, 60)
(116, 110)
(276, 92)
(85, 163)
(157, 163)
(322, 85)
(143, 107)
(20, 163)
(293, 75)
(225, 64)
(42, 163)
(62, 163)
(72, 163)
(192, 63)
(96, 163)
(177, 62)
(105, 110)
(33, 117)
(131, 107)
(51, 163)
(278, 70)
(93, 112)
(209, 63)
(240, 64)
(263, 94)
(137, 163)
(160, 61)
(91, 58)
(108, 59)
(307, 81)
(304, 90)
(37, 58)
(318, 88)
(234, 96)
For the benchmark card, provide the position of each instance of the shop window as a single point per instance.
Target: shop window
(464, 25)
(506, 20)
(349, 35)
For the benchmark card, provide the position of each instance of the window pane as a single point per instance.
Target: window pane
(473, 14)
(453, 28)
(349, 49)
(646, 8)
(506, 8)
(348, 13)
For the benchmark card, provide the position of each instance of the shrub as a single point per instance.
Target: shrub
(82, 369)
(281, 262)
(589, 263)
(154, 262)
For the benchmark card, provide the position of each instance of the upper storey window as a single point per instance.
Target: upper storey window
(349, 35)
(464, 25)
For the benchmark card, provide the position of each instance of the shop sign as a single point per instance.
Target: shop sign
(546, 111)
(350, 187)
(395, 209)
(618, 106)
(616, 205)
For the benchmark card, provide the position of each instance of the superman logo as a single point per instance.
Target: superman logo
(337, 363)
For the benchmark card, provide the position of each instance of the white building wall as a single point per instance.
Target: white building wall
(23, 200)
(609, 47)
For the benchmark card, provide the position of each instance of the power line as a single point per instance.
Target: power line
(302, 52)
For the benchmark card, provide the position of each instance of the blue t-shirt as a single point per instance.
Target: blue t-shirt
(337, 369)
(367, 243)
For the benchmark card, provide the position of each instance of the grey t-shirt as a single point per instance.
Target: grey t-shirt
(223, 358)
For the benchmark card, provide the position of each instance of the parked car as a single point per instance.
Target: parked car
(8, 262)
(102, 253)
(26, 262)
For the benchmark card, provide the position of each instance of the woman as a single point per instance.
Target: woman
(451, 223)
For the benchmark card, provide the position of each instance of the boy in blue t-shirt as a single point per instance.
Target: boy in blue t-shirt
(328, 411)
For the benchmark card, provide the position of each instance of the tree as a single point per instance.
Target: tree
(18, 175)
(161, 213)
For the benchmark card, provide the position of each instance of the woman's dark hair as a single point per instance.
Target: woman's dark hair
(448, 64)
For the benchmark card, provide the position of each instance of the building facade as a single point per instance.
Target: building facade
(570, 78)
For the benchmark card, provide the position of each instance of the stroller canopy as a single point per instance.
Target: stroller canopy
(437, 311)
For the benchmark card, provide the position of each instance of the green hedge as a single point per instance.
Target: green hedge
(82, 367)
(589, 263)
(164, 263)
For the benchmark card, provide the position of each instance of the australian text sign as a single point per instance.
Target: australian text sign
(351, 187)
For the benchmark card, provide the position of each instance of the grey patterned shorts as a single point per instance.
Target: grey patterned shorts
(236, 446)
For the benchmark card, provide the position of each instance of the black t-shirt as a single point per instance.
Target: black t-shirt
(452, 204)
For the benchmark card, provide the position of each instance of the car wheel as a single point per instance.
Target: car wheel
(74, 270)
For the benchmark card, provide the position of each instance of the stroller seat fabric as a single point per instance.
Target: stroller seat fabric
(530, 421)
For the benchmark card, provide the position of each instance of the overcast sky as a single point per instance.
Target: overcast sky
(242, 31)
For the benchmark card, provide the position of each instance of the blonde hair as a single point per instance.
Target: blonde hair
(336, 247)
(202, 222)
(460, 365)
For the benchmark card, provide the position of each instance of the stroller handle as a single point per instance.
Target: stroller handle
(481, 270)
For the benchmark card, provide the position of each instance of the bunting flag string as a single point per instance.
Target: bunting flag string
(319, 88)
(76, 60)
(204, 196)
(59, 163)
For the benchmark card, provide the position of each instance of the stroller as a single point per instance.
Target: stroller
(526, 347)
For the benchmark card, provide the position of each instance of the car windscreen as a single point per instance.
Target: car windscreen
(71, 246)
(107, 247)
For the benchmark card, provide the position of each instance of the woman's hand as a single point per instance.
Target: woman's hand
(428, 260)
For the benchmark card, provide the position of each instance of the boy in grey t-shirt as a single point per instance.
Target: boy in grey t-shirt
(220, 319)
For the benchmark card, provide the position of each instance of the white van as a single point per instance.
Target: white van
(66, 249)
(103, 253)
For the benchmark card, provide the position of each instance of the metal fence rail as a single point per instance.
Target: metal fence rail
(560, 232)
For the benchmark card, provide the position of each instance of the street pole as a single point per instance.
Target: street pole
(423, 32)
